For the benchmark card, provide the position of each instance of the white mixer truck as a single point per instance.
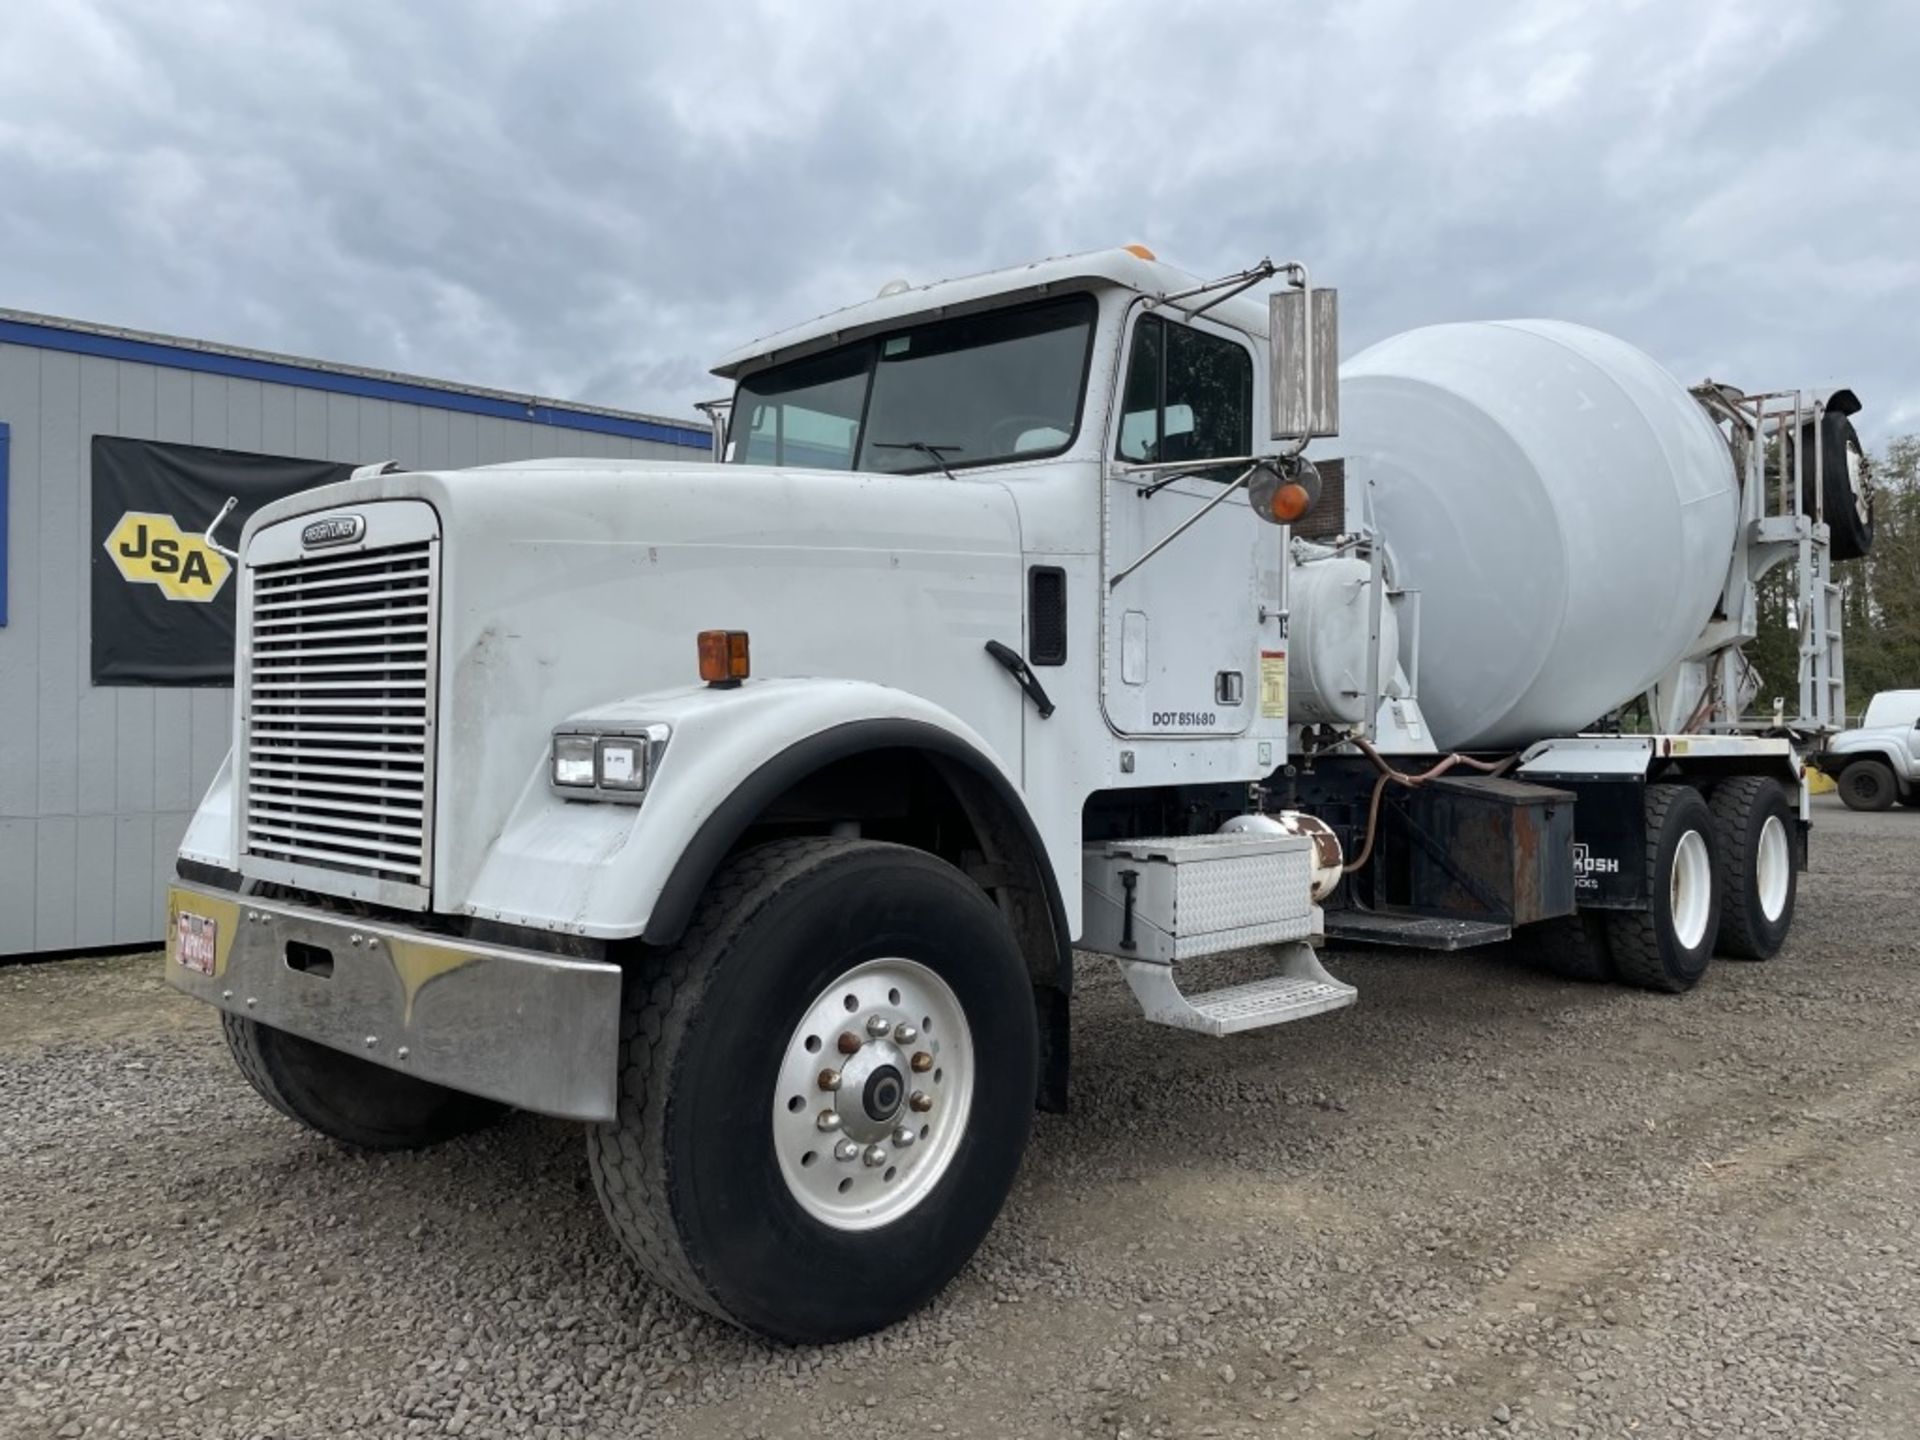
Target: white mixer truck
(753, 813)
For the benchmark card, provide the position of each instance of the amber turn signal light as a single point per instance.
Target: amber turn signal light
(1290, 502)
(1282, 492)
(723, 656)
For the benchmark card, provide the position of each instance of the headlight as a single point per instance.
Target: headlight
(614, 762)
(573, 761)
(623, 763)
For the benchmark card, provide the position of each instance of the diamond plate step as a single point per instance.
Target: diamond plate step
(1302, 988)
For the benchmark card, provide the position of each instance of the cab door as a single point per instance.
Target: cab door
(1182, 634)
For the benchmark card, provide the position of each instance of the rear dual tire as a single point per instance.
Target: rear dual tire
(1757, 873)
(1572, 947)
(1668, 945)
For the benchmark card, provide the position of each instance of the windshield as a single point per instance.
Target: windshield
(1005, 385)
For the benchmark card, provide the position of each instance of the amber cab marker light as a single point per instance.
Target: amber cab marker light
(723, 657)
(1141, 251)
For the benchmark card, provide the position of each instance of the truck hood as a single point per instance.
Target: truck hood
(571, 585)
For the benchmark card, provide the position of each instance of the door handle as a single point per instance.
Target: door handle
(1023, 675)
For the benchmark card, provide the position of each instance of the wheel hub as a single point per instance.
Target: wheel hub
(1690, 890)
(872, 1090)
(883, 1093)
(873, 1094)
(1773, 869)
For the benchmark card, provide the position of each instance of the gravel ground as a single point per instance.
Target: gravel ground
(1481, 1202)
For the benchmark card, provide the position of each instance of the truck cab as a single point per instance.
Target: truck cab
(751, 813)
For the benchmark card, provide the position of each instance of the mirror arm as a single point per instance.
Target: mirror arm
(1185, 525)
(1240, 280)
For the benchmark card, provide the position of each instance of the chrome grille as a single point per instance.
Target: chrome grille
(338, 715)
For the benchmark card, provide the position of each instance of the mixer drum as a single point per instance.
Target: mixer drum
(1564, 507)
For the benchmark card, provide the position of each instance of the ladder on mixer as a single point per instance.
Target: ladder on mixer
(1778, 527)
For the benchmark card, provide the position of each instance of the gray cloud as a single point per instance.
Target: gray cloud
(597, 199)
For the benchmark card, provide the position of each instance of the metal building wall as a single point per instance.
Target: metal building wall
(96, 784)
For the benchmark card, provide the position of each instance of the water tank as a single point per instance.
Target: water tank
(1565, 509)
(1327, 643)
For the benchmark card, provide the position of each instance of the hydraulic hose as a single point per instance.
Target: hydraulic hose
(1391, 776)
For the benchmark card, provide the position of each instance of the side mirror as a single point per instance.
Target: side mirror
(1283, 491)
(1304, 363)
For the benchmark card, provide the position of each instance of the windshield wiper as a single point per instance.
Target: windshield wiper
(931, 451)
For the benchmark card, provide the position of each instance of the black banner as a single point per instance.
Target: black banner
(163, 599)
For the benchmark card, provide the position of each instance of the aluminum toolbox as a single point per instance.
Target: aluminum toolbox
(1183, 896)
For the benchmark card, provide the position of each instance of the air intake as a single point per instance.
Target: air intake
(1046, 615)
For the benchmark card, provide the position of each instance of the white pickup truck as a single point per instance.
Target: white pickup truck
(1879, 762)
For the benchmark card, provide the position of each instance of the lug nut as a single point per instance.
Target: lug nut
(920, 1101)
(905, 1034)
(878, 1025)
(846, 1150)
(848, 1042)
(828, 1120)
(876, 1156)
(905, 1136)
(829, 1079)
(922, 1062)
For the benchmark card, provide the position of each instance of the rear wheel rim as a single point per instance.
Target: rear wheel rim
(1690, 889)
(1773, 869)
(873, 1095)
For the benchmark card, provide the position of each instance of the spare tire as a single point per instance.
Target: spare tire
(1848, 504)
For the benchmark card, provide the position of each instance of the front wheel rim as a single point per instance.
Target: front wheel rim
(1773, 869)
(873, 1095)
(1690, 889)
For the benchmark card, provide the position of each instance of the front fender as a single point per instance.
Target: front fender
(601, 870)
(1859, 745)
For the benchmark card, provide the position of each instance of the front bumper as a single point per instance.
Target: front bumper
(539, 1032)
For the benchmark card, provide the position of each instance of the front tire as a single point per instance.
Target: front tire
(347, 1099)
(1867, 785)
(1753, 847)
(759, 1209)
(1667, 945)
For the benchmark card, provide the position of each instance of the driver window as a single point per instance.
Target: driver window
(1189, 395)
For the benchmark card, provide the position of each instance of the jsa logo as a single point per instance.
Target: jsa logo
(149, 549)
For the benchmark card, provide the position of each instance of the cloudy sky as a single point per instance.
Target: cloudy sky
(595, 200)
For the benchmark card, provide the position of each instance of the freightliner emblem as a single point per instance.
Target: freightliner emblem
(334, 530)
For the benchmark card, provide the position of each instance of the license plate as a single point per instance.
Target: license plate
(194, 941)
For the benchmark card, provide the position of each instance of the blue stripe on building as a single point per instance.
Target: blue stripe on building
(369, 387)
